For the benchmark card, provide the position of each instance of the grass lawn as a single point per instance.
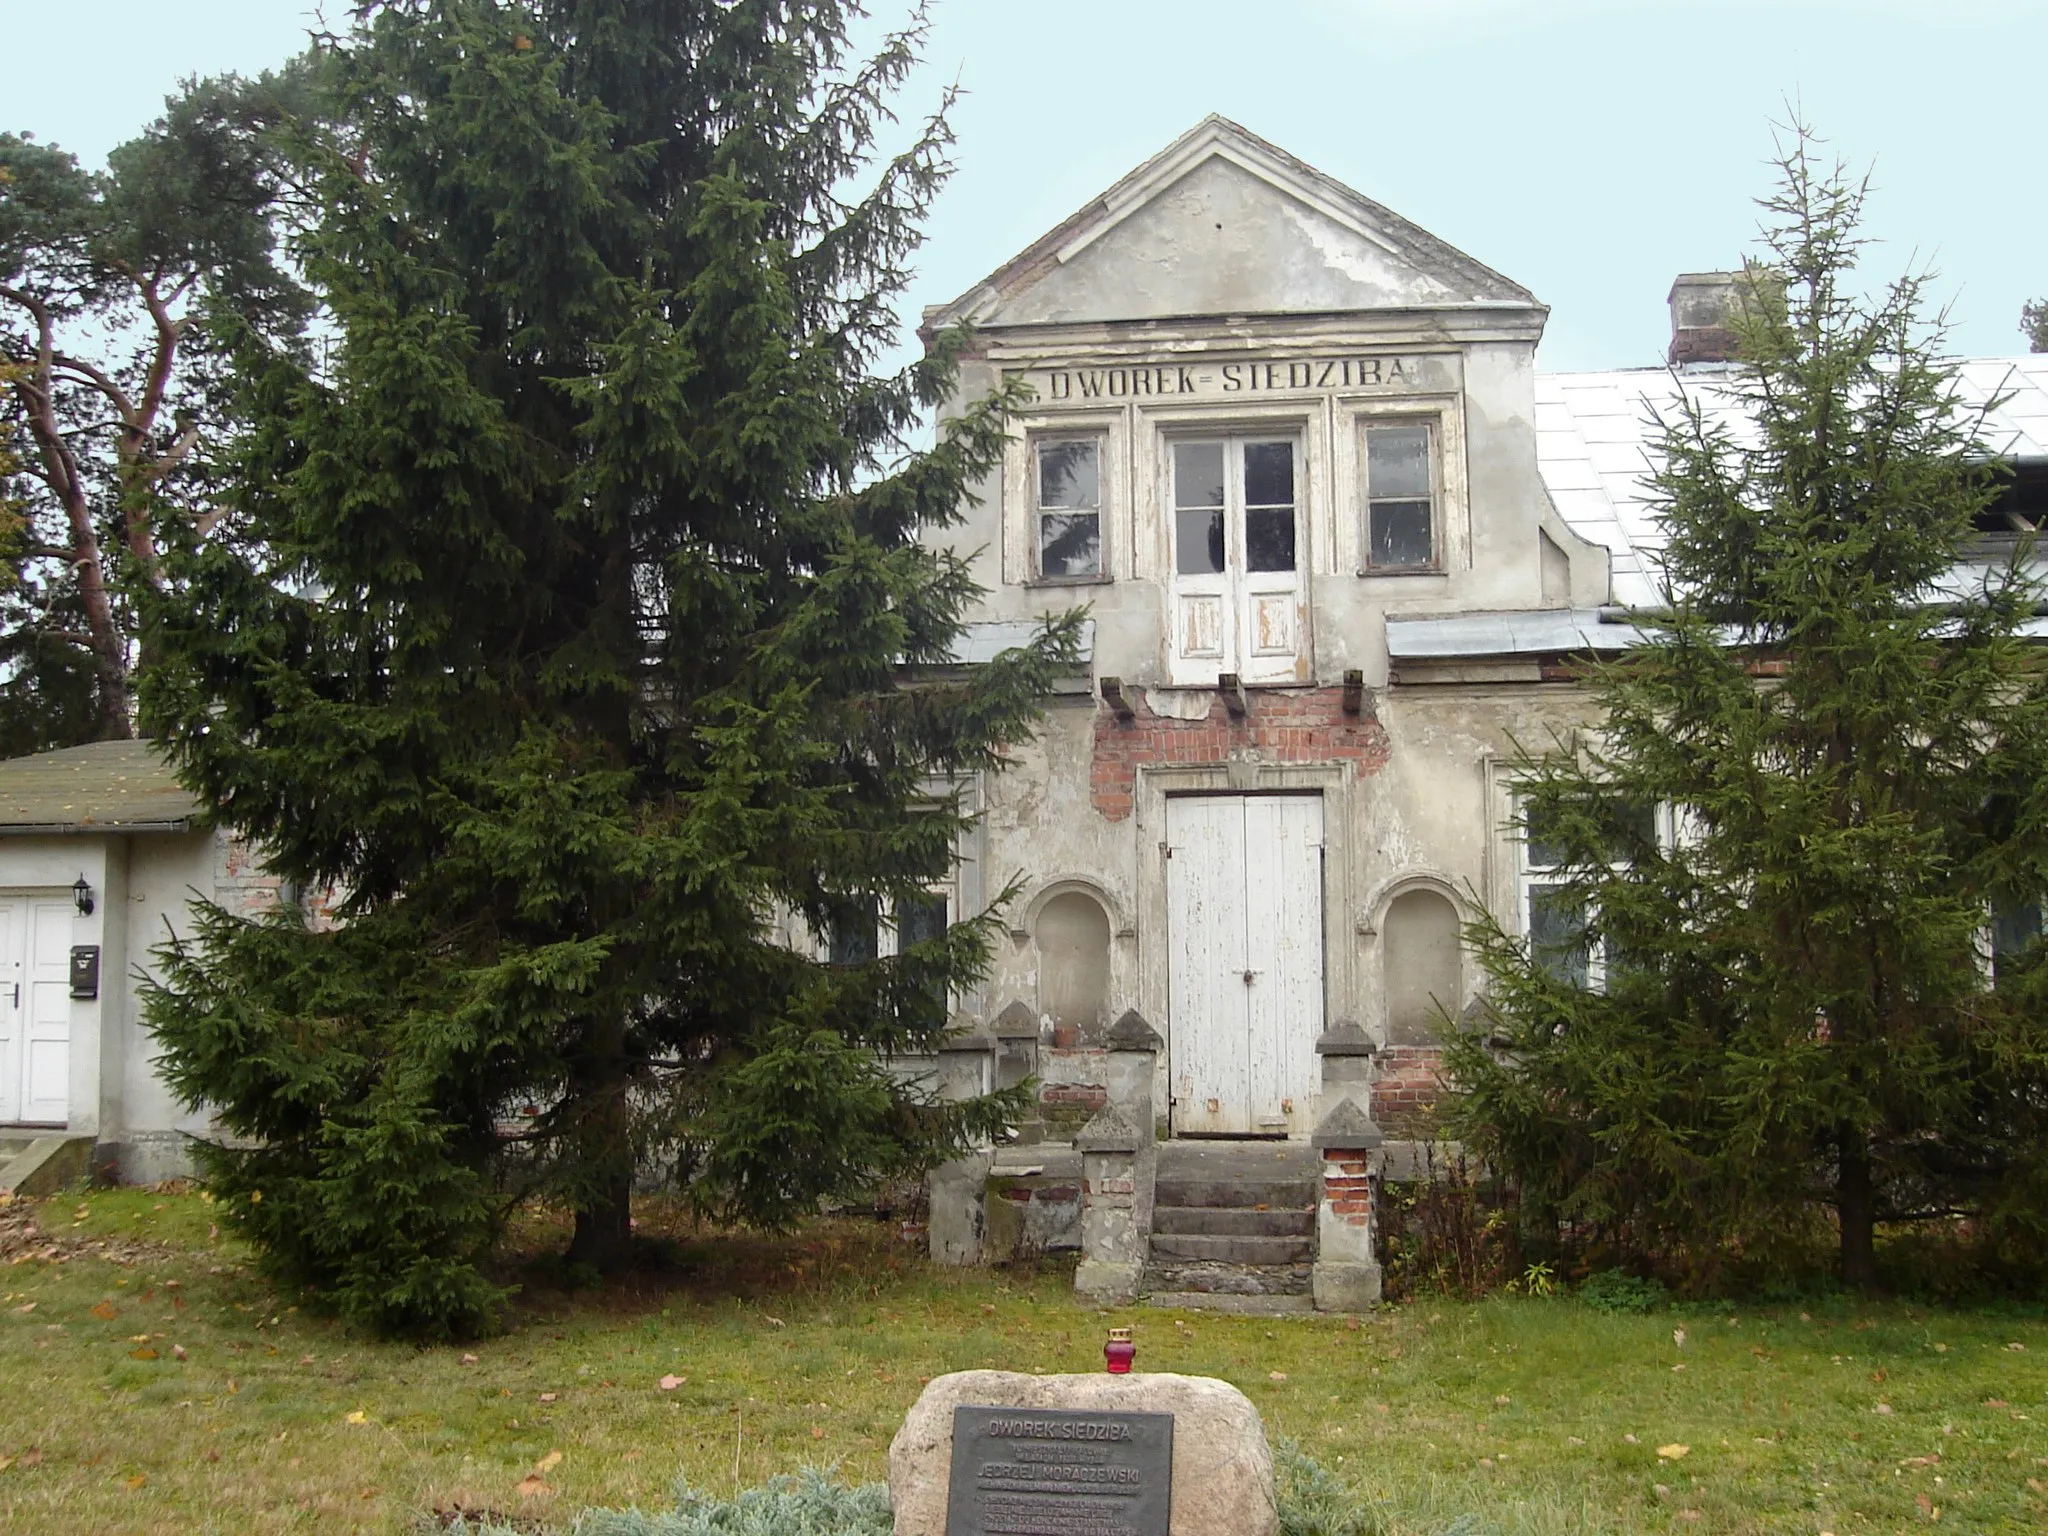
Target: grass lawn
(150, 1382)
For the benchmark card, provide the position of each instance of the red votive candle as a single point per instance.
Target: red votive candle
(1119, 1352)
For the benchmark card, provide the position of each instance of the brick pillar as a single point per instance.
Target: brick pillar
(1346, 1276)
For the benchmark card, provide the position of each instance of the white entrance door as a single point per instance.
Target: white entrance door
(1239, 604)
(1244, 893)
(35, 1010)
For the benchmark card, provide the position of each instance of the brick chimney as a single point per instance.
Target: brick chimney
(1703, 307)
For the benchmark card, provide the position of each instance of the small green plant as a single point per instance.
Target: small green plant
(1539, 1279)
(1616, 1290)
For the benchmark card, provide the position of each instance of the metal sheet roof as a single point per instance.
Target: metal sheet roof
(1544, 632)
(1593, 432)
(104, 786)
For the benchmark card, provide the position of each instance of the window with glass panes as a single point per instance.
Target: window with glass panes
(865, 936)
(1400, 496)
(1067, 481)
(1556, 925)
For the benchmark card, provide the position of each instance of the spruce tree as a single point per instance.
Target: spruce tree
(593, 629)
(1814, 796)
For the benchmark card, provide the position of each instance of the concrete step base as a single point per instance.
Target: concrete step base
(1261, 1252)
(1240, 1306)
(1225, 1221)
(1213, 1278)
(47, 1164)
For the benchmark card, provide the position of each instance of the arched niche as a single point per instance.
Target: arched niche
(1422, 964)
(1070, 929)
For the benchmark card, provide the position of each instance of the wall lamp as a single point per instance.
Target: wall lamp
(81, 893)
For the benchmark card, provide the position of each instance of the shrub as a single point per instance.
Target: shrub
(1616, 1290)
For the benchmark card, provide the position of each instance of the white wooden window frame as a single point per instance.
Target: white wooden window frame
(1038, 442)
(1434, 496)
(1108, 429)
(1451, 518)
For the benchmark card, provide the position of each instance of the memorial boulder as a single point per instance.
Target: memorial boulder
(1000, 1453)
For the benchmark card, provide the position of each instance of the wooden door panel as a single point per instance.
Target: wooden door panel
(13, 1005)
(1207, 1002)
(1284, 948)
(46, 1015)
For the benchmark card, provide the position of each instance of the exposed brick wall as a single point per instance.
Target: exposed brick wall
(1405, 1089)
(1291, 725)
(1347, 1186)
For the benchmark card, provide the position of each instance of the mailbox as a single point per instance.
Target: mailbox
(85, 971)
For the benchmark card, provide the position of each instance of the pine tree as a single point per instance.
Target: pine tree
(592, 629)
(111, 381)
(1844, 725)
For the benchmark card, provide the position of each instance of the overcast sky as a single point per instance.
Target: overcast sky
(1589, 149)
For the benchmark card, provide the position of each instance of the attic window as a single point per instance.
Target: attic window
(1068, 477)
(2022, 503)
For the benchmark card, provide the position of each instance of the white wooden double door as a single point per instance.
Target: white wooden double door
(35, 1010)
(1244, 884)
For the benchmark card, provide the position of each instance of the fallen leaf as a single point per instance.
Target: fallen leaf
(26, 1307)
(1994, 1402)
(358, 1417)
(1678, 1337)
(1575, 1440)
(212, 1454)
(2037, 1485)
(2017, 1348)
(138, 1338)
(1688, 1514)
(817, 1432)
(233, 1385)
(1631, 1440)
(1878, 1374)
(144, 1353)
(177, 1352)
(1276, 1375)
(32, 1457)
(1884, 1408)
(670, 1383)
(6, 1462)
(1502, 1400)
(549, 1462)
(531, 1487)
(104, 1311)
(1924, 1504)
(305, 1359)
(469, 1359)
(1486, 1461)
(1673, 1451)
(776, 1322)
(138, 1480)
(1941, 1349)
(1922, 1461)
(548, 1397)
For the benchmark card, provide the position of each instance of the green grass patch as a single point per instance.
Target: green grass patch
(153, 1382)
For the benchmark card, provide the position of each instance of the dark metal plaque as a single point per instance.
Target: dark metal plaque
(1047, 1472)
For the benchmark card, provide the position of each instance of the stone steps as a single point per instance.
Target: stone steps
(1259, 1252)
(1233, 1227)
(1228, 1221)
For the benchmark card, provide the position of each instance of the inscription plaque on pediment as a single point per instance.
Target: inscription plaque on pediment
(1050, 1472)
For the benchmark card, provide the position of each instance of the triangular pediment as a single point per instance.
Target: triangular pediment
(1223, 223)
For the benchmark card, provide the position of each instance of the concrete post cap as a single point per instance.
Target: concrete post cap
(1132, 1033)
(1345, 1038)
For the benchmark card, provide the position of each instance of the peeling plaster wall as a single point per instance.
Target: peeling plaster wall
(1217, 299)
